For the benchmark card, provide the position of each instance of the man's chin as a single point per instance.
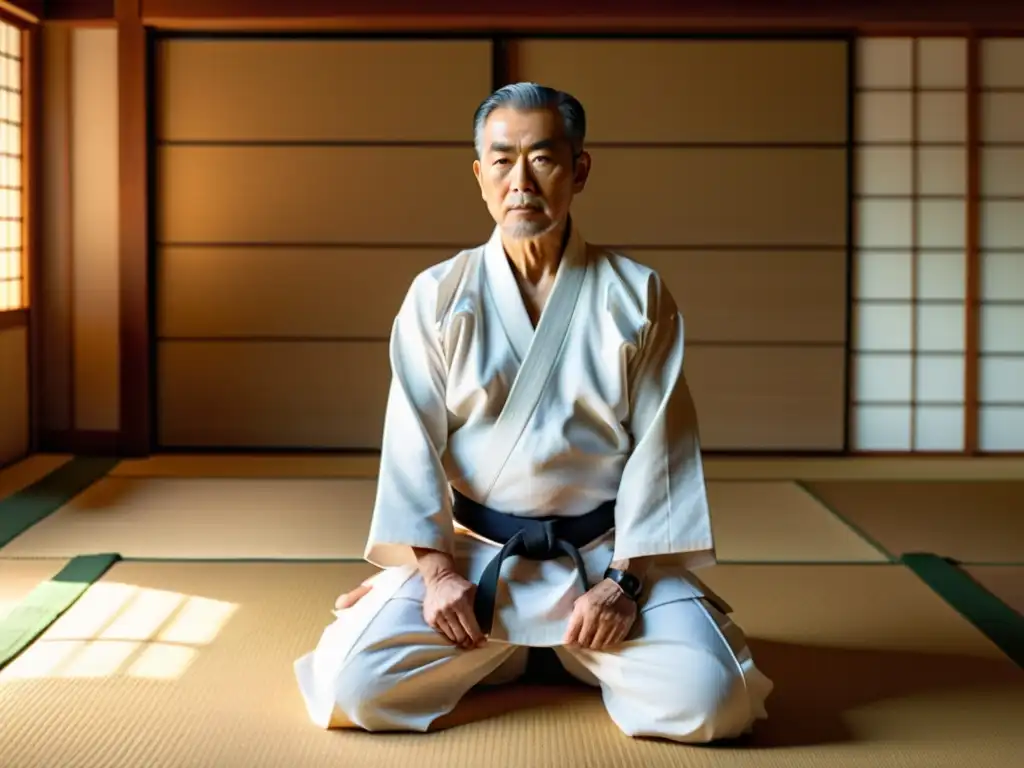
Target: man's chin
(527, 230)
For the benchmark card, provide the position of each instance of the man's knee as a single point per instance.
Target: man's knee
(368, 699)
(698, 703)
(357, 692)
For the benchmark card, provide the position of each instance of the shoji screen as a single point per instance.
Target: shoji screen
(12, 280)
(910, 273)
(1001, 321)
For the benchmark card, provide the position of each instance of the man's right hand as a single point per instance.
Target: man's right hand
(448, 603)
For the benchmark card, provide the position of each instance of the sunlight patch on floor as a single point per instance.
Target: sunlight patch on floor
(119, 629)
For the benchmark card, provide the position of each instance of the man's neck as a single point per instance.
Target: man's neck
(536, 259)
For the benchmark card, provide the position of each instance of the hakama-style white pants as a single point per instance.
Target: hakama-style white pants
(684, 673)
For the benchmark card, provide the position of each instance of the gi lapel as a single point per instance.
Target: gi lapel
(541, 354)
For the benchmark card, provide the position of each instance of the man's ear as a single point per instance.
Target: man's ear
(479, 178)
(581, 172)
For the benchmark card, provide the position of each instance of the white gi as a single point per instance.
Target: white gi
(611, 418)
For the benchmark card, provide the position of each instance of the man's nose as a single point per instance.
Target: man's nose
(520, 179)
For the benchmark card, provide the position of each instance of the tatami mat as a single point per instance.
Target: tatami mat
(780, 522)
(22, 474)
(1004, 581)
(190, 664)
(207, 518)
(973, 522)
(330, 517)
(19, 577)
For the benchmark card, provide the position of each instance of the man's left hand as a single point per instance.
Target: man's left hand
(601, 618)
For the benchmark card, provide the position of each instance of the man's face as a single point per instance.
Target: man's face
(526, 173)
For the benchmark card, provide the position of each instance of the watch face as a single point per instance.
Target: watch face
(632, 585)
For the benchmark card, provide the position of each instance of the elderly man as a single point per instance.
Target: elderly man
(541, 480)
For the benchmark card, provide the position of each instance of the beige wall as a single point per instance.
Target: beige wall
(292, 218)
(296, 202)
(14, 404)
(723, 165)
(80, 386)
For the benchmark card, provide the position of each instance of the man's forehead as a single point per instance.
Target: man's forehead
(506, 126)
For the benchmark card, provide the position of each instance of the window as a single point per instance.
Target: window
(12, 253)
(1001, 245)
(908, 343)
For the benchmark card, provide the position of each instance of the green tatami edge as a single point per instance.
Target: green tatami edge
(23, 509)
(48, 602)
(986, 612)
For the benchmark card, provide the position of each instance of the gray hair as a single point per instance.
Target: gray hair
(526, 96)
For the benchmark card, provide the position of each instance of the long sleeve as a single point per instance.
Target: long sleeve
(662, 504)
(413, 504)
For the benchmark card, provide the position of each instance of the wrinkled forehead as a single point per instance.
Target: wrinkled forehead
(508, 130)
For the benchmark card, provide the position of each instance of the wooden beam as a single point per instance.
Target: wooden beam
(21, 12)
(79, 10)
(581, 14)
(132, 81)
(972, 255)
(13, 318)
(31, 179)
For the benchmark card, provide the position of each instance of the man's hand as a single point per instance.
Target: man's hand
(448, 604)
(601, 618)
(448, 608)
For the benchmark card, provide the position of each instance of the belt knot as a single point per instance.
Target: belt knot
(539, 540)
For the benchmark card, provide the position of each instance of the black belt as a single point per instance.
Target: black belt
(537, 538)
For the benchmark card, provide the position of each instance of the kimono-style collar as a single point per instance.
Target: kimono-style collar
(505, 291)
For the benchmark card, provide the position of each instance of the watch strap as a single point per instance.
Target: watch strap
(630, 584)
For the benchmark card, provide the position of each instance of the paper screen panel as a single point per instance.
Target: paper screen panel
(1001, 312)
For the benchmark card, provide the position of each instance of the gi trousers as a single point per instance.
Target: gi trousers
(684, 672)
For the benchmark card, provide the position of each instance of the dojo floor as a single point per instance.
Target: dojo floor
(180, 653)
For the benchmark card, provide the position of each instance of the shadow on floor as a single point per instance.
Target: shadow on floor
(816, 691)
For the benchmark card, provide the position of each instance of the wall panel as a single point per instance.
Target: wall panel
(55, 270)
(355, 90)
(336, 195)
(723, 164)
(14, 402)
(331, 394)
(95, 229)
(302, 184)
(757, 296)
(769, 398)
(724, 197)
(286, 393)
(285, 292)
(697, 91)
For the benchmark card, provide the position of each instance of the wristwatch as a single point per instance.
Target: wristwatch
(629, 583)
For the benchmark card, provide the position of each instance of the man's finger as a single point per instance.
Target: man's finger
(349, 599)
(572, 634)
(469, 623)
(444, 628)
(459, 636)
(604, 635)
(589, 626)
